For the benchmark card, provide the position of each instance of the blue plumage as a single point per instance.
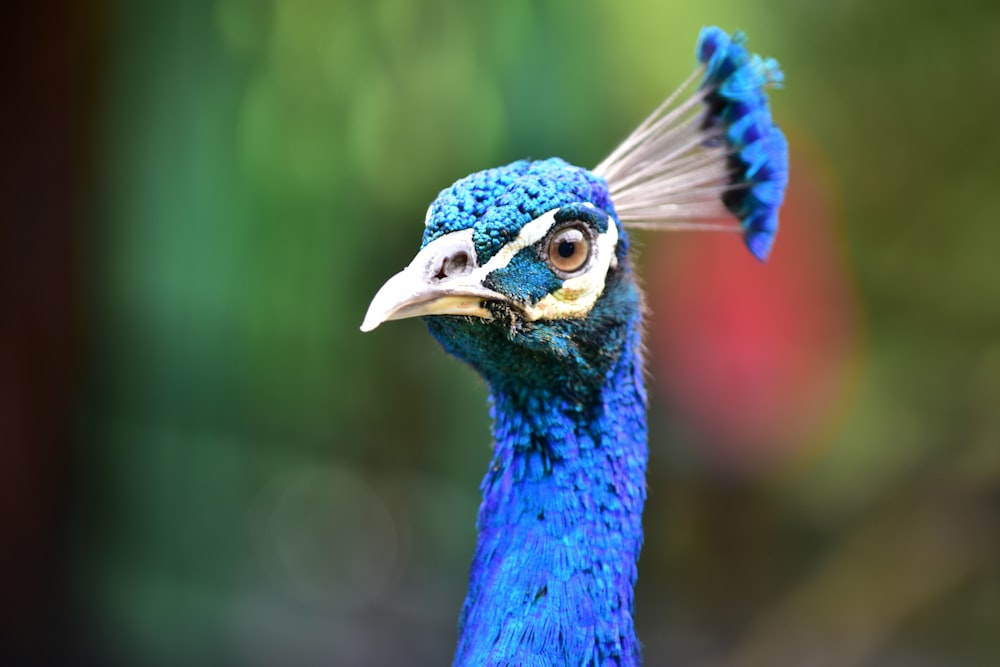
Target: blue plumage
(759, 158)
(524, 273)
(560, 526)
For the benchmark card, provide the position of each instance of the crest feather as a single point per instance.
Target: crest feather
(707, 155)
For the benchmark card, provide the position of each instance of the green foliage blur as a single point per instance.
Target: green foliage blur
(262, 484)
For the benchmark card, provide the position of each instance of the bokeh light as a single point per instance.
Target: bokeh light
(755, 359)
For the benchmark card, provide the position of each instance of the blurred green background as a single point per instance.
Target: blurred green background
(205, 462)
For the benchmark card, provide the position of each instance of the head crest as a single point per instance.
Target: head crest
(716, 152)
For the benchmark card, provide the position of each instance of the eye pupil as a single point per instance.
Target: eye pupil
(569, 250)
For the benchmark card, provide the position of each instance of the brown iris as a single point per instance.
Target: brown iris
(569, 250)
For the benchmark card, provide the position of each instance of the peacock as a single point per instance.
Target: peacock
(524, 273)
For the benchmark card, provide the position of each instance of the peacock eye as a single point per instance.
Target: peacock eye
(569, 250)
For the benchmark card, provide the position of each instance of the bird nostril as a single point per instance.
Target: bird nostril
(453, 266)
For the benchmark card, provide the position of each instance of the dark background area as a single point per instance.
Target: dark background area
(204, 462)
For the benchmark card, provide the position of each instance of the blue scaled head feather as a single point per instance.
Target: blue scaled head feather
(524, 273)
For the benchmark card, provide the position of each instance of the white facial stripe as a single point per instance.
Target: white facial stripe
(579, 294)
(573, 300)
(427, 216)
(531, 233)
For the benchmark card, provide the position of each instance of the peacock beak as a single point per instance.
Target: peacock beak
(443, 279)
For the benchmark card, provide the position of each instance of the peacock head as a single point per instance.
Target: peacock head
(523, 273)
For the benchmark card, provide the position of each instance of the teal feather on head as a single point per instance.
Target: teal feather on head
(524, 273)
(759, 160)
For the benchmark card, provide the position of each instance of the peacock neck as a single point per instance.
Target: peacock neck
(560, 526)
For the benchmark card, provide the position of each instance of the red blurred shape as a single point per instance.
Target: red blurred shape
(755, 357)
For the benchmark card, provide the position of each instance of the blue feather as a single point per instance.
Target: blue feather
(560, 530)
(736, 81)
